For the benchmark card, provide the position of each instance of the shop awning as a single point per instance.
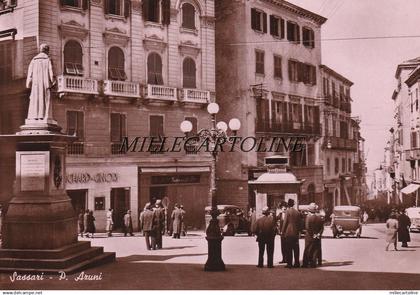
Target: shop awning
(411, 188)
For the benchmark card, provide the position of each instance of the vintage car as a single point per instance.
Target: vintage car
(414, 214)
(346, 221)
(232, 220)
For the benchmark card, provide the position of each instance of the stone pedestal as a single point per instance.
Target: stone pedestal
(40, 222)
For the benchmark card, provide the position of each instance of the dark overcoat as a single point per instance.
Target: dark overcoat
(403, 228)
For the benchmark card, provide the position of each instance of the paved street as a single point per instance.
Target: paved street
(349, 263)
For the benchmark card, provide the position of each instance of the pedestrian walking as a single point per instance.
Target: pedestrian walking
(314, 226)
(253, 219)
(291, 231)
(404, 224)
(149, 227)
(365, 217)
(109, 222)
(391, 231)
(159, 212)
(280, 220)
(90, 229)
(183, 226)
(176, 217)
(265, 230)
(80, 223)
(85, 222)
(128, 224)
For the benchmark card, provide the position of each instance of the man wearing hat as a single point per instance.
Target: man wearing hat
(291, 231)
(159, 212)
(314, 226)
(147, 220)
(265, 230)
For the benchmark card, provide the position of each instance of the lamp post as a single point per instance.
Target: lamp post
(216, 133)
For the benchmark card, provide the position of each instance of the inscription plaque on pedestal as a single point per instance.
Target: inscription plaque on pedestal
(32, 172)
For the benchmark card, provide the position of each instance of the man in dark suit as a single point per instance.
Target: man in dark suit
(159, 212)
(265, 230)
(314, 225)
(291, 230)
(148, 222)
(280, 220)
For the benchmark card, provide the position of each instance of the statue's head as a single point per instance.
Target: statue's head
(44, 48)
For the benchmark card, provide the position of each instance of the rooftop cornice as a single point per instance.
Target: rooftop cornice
(414, 77)
(298, 10)
(335, 74)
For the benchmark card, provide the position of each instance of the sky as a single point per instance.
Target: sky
(369, 63)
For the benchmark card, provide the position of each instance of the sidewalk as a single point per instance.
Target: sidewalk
(180, 265)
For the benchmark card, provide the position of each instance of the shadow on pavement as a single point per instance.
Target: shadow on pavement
(139, 258)
(337, 263)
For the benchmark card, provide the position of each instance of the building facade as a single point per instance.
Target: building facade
(123, 69)
(268, 76)
(341, 153)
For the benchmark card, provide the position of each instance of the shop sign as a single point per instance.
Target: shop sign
(85, 177)
(175, 179)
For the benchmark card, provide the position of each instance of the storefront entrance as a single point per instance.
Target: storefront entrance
(78, 199)
(120, 203)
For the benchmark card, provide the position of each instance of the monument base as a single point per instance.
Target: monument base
(70, 259)
(39, 232)
(33, 126)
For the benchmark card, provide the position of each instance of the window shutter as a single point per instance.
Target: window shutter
(85, 4)
(115, 127)
(297, 33)
(127, 6)
(289, 31)
(145, 9)
(123, 124)
(300, 112)
(253, 19)
(166, 12)
(71, 122)
(282, 28)
(290, 70)
(80, 126)
(106, 6)
(272, 26)
(265, 22)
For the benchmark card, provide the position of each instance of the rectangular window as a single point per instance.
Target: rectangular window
(75, 124)
(308, 37)
(277, 67)
(258, 20)
(349, 165)
(118, 127)
(277, 26)
(117, 7)
(156, 126)
(343, 165)
(336, 165)
(259, 62)
(293, 71)
(293, 32)
(414, 140)
(6, 62)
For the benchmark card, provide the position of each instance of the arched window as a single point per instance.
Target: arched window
(73, 58)
(154, 69)
(188, 16)
(188, 73)
(116, 64)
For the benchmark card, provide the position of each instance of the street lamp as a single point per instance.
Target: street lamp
(214, 134)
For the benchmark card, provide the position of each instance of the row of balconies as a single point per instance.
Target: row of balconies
(340, 143)
(339, 102)
(78, 148)
(130, 90)
(413, 154)
(306, 128)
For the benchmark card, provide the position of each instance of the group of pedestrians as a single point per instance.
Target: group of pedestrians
(86, 223)
(153, 220)
(397, 229)
(287, 222)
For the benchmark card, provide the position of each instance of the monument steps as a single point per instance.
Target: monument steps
(68, 259)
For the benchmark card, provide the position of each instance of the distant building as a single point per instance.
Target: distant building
(268, 55)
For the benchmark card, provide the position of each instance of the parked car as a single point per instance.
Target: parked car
(346, 221)
(232, 220)
(414, 214)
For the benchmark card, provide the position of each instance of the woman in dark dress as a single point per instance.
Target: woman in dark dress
(90, 224)
(404, 224)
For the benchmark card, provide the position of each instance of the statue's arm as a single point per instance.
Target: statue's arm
(29, 77)
(50, 73)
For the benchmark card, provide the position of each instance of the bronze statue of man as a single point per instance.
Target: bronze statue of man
(40, 80)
